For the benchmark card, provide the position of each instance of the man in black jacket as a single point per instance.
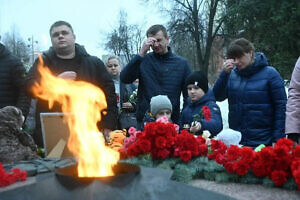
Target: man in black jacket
(12, 76)
(68, 60)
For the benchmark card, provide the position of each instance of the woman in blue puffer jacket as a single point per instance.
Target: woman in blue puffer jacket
(256, 95)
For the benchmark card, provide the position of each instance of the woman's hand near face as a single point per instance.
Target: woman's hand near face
(228, 65)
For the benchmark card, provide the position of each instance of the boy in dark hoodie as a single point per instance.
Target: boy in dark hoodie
(200, 98)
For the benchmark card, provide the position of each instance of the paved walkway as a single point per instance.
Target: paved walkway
(247, 191)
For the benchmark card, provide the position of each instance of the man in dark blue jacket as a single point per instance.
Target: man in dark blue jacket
(159, 72)
(12, 76)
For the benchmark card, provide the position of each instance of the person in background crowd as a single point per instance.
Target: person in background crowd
(292, 121)
(69, 60)
(159, 72)
(123, 91)
(12, 77)
(200, 95)
(255, 92)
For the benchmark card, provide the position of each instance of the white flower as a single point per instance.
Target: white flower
(133, 96)
(206, 134)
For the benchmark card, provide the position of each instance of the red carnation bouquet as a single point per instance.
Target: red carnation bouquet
(9, 178)
(279, 163)
(157, 139)
(161, 140)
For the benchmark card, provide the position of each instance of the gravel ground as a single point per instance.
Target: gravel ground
(247, 191)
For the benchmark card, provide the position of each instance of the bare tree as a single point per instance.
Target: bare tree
(16, 44)
(125, 40)
(199, 20)
(137, 37)
(114, 43)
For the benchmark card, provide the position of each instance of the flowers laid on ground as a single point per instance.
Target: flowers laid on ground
(7, 178)
(160, 145)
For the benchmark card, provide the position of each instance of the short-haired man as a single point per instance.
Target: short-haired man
(69, 60)
(159, 72)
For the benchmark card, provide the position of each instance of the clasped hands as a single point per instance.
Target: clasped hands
(68, 75)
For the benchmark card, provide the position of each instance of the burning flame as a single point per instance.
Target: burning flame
(84, 101)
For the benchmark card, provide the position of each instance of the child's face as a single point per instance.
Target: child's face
(163, 112)
(195, 92)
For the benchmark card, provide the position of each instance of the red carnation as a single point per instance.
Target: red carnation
(133, 150)
(2, 171)
(279, 177)
(218, 146)
(201, 140)
(267, 154)
(184, 132)
(206, 113)
(220, 159)
(259, 169)
(203, 150)
(10, 178)
(241, 168)
(150, 129)
(161, 154)
(212, 156)
(296, 175)
(123, 153)
(144, 145)
(281, 151)
(229, 167)
(282, 163)
(295, 165)
(176, 152)
(185, 156)
(233, 153)
(247, 154)
(7, 179)
(285, 142)
(160, 142)
(170, 141)
(140, 135)
(296, 152)
(162, 129)
(263, 162)
(19, 175)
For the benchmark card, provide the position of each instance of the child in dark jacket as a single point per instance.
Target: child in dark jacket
(200, 98)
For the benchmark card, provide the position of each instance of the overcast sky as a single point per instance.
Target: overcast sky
(90, 19)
